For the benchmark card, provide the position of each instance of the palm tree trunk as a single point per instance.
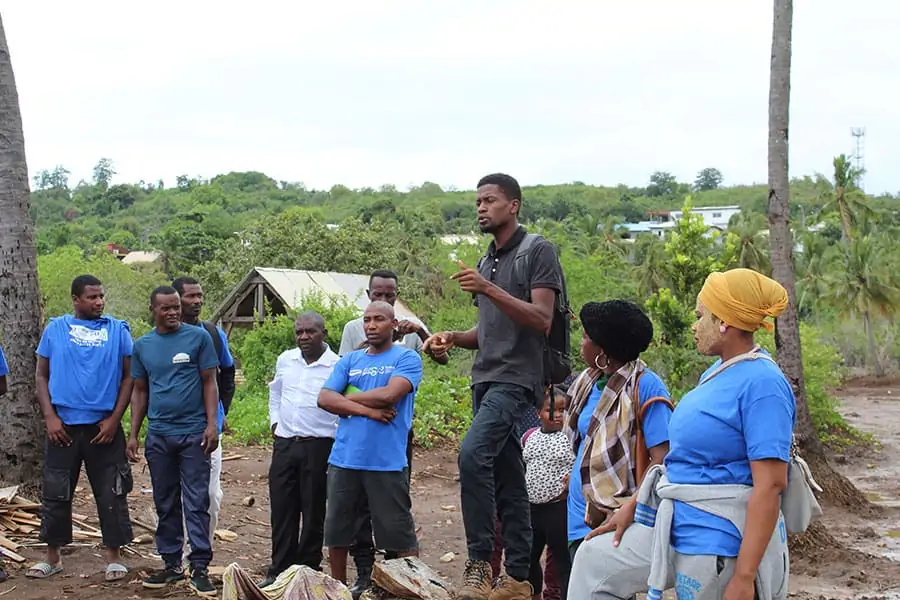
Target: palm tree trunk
(21, 428)
(787, 326)
(873, 349)
(787, 334)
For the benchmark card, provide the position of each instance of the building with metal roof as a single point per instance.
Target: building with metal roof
(280, 290)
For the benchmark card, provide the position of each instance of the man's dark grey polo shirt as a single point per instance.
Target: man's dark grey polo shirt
(509, 352)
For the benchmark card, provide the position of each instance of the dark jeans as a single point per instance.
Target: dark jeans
(363, 551)
(492, 476)
(179, 468)
(548, 527)
(298, 480)
(109, 474)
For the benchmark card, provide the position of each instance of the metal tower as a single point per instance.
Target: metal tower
(859, 161)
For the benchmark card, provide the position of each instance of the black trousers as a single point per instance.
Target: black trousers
(548, 528)
(297, 487)
(363, 551)
(109, 474)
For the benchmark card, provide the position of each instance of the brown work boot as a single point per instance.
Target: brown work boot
(476, 581)
(508, 588)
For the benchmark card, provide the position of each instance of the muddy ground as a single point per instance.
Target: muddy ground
(872, 406)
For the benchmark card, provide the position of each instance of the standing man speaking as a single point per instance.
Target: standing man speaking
(515, 313)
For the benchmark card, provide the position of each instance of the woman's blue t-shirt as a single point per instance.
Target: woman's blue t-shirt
(655, 427)
(743, 414)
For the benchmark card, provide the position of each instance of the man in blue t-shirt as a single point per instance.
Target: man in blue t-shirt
(84, 384)
(191, 294)
(373, 391)
(174, 371)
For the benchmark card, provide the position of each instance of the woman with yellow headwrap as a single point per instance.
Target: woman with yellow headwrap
(709, 522)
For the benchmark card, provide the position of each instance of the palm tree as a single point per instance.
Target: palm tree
(781, 239)
(848, 200)
(813, 266)
(748, 232)
(21, 428)
(861, 286)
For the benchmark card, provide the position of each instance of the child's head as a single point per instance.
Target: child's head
(553, 421)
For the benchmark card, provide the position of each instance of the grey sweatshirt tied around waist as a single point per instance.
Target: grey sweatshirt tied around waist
(655, 509)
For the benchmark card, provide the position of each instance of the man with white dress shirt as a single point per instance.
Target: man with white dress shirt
(304, 434)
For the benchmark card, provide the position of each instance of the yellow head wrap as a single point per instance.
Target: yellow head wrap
(743, 299)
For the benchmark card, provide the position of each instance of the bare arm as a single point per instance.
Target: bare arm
(383, 397)
(42, 379)
(210, 396)
(537, 314)
(466, 339)
(3, 387)
(769, 481)
(338, 404)
(657, 455)
(138, 407)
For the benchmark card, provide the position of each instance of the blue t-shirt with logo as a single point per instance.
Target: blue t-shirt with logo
(656, 431)
(4, 368)
(743, 414)
(85, 365)
(362, 443)
(225, 361)
(171, 364)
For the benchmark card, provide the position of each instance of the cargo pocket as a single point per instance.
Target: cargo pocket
(123, 482)
(56, 485)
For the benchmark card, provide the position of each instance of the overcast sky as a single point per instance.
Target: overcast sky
(404, 91)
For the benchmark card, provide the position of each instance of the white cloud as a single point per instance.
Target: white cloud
(365, 93)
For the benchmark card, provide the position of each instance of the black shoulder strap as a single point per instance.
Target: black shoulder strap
(214, 334)
(522, 265)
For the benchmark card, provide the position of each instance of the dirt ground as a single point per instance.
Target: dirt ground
(872, 406)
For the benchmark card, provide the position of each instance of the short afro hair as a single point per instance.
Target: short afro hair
(619, 327)
(507, 184)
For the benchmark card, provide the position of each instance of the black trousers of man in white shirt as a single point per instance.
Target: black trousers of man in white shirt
(297, 487)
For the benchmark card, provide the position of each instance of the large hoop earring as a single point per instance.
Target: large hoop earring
(598, 365)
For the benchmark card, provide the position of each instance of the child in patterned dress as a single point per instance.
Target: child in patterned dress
(548, 461)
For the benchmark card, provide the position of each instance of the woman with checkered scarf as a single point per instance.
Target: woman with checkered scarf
(618, 417)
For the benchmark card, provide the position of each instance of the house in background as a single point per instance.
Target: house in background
(139, 256)
(118, 251)
(280, 290)
(661, 221)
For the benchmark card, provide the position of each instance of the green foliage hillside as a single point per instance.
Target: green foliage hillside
(218, 229)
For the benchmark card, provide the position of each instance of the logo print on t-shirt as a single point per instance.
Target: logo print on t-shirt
(180, 359)
(371, 371)
(87, 337)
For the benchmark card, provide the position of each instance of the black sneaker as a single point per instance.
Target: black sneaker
(164, 577)
(201, 584)
(269, 580)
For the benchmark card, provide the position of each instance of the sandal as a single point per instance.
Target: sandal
(43, 570)
(115, 572)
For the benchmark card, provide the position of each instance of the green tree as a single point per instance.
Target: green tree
(861, 286)
(847, 199)
(746, 242)
(693, 254)
(662, 184)
(708, 179)
(103, 173)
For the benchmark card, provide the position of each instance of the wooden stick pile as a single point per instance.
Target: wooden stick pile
(20, 523)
